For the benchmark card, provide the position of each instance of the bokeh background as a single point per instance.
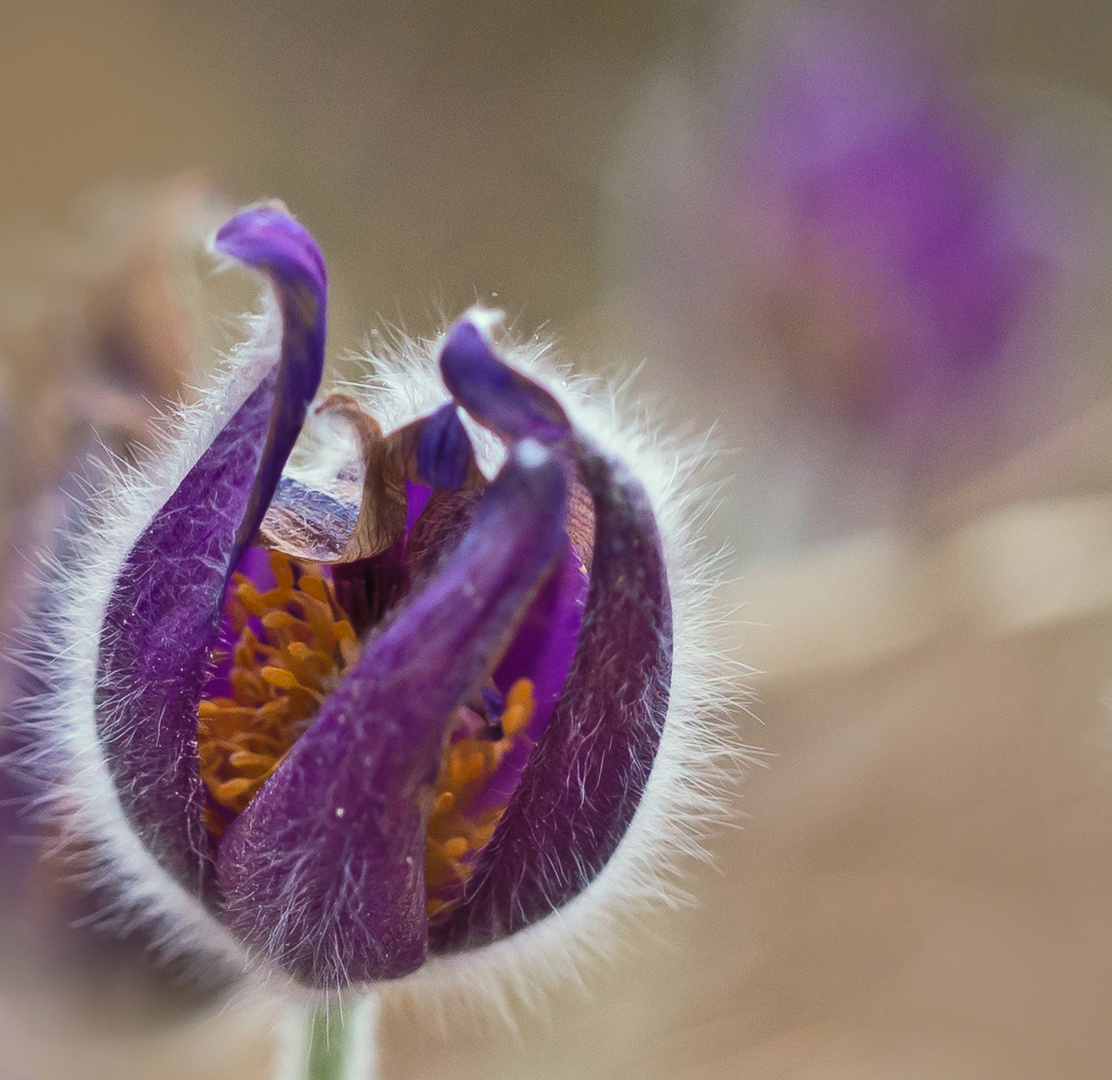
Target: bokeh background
(787, 217)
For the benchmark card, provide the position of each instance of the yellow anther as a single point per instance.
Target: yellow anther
(249, 597)
(248, 686)
(349, 651)
(455, 848)
(279, 674)
(465, 766)
(520, 705)
(279, 620)
(276, 676)
(319, 618)
(520, 693)
(277, 598)
(270, 712)
(281, 569)
(455, 835)
(228, 713)
(455, 770)
(250, 763)
(232, 790)
(315, 587)
(263, 744)
(474, 766)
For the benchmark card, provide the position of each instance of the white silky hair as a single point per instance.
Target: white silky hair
(691, 778)
(60, 645)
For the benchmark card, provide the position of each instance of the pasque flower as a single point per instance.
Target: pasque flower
(394, 693)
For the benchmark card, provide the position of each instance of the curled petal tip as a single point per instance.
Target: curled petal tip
(496, 395)
(267, 238)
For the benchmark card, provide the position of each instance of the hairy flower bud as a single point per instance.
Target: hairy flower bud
(394, 692)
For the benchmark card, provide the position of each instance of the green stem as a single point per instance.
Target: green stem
(328, 1046)
(334, 1043)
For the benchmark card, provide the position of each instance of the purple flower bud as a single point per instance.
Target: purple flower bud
(337, 692)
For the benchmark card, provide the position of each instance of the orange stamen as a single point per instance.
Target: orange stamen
(278, 680)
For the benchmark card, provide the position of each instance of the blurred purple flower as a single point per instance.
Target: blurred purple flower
(901, 242)
(340, 709)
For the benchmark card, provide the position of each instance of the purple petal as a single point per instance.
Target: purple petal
(444, 454)
(585, 777)
(494, 701)
(163, 615)
(416, 499)
(496, 395)
(270, 240)
(544, 646)
(542, 651)
(324, 870)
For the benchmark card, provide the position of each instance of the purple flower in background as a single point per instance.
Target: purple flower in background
(900, 241)
(394, 687)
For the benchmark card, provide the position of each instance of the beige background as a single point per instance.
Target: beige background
(921, 885)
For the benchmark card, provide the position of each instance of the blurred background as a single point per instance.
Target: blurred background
(870, 248)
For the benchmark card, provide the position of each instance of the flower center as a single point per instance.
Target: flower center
(292, 643)
(458, 828)
(291, 646)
